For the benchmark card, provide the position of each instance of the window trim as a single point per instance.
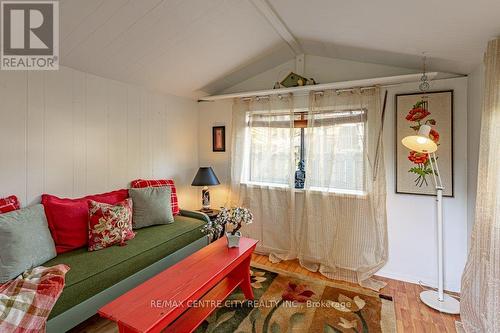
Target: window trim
(322, 190)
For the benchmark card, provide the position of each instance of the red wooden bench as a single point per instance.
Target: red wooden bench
(181, 297)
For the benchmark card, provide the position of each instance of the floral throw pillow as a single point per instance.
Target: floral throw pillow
(109, 224)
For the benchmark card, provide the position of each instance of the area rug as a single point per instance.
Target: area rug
(290, 302)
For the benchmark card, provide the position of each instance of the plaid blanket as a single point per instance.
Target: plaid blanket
(26, 302)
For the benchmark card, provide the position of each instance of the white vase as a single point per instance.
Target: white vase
(233, 240)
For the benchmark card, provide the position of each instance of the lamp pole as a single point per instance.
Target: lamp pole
(438, 182)
(423, 144)
(439, 301)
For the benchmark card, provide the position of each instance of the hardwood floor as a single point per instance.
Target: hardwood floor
(411, 314)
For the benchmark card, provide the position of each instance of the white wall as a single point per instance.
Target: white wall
(475, 90)
(215, 114)
(411, 220)
(69, 133)
(323, 70)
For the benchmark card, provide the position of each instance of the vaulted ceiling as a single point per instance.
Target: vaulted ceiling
(188, 47)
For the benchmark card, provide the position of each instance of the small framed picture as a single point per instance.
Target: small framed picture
(219, 138)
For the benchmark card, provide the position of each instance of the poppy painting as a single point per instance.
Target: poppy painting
(414, 170)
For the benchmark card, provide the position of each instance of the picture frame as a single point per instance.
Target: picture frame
(412, 169)
(219, 138)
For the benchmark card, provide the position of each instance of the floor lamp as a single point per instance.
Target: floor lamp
(421, 143)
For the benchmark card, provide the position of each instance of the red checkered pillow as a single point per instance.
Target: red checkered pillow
(9, 204)
(140, 183)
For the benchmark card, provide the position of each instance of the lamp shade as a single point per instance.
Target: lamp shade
(205, 177)
(421, 143)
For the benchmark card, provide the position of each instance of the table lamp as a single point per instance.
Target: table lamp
(421, 143)
(205, 177)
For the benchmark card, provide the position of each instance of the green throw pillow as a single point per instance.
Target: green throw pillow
(151, 206)
(25, 241)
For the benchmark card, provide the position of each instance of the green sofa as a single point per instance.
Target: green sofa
(95, 278)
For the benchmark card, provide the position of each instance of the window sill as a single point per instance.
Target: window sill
(312, 190)
(273, 186)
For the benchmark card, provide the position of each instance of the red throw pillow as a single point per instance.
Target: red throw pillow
(9, 204)
(141, 183)
(68, 218)
(109, 225)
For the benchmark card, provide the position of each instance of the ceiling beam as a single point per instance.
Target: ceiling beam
(300, 64)
(270, 15)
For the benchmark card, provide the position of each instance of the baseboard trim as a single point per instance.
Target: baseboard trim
(416, 280)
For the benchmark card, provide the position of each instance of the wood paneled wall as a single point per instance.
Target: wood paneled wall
(70, 133)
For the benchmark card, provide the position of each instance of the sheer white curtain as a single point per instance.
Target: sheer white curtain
(337, 223)
(262, 168)
(480, 301)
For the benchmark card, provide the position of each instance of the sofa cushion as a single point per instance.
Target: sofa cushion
(9, 204)
(25, 241)
(151, 206)
(93, 272)
(140, 183)
(109, 224)
(68, 218)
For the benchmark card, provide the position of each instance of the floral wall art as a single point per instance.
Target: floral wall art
(414, 174)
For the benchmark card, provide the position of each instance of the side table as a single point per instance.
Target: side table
(212, 215)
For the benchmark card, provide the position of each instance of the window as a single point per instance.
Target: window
(338, 157)
(332, 147)
(269, 144)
